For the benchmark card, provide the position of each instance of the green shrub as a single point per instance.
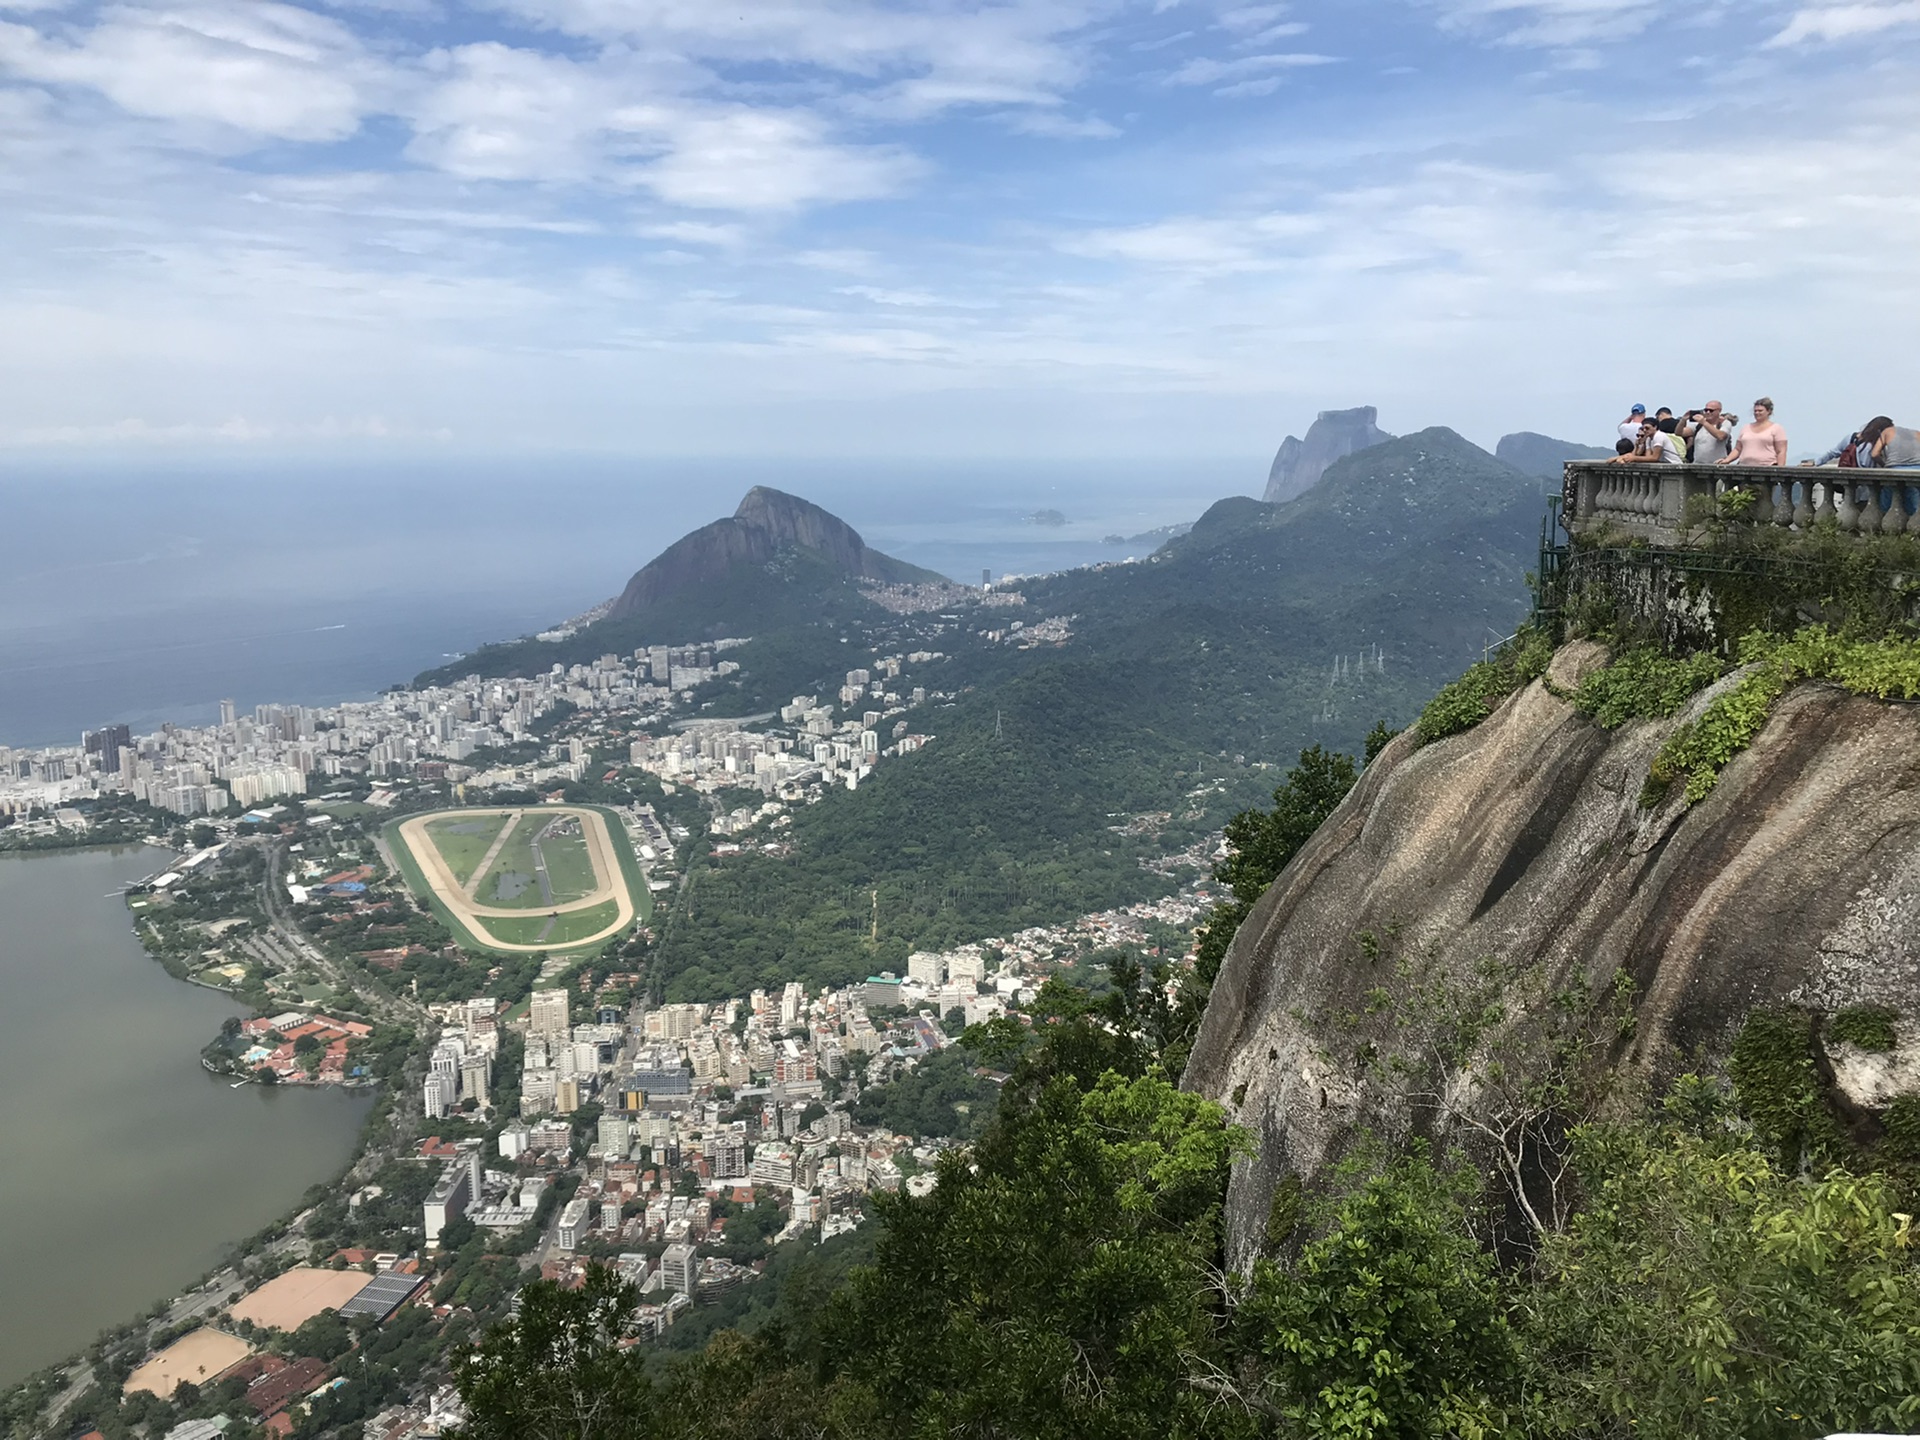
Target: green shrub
(1697, 752)
(1866, 1027)
(1774, 1075)
(1470, 699)
(1645, 684)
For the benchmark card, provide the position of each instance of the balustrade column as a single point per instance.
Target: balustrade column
(1803, 511)
(1826, 508)
(1901, 492)
(1893, 515)
(1845, 513)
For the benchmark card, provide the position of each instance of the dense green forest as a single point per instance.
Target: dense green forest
(1264, 629)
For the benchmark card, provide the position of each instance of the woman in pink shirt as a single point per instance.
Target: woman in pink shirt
(1762, 442)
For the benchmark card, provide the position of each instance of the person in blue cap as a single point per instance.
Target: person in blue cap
(1630, 427)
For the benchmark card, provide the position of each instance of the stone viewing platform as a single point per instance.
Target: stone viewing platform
(1672, 505)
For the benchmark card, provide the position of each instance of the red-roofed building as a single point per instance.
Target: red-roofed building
(276, 1387)
(434, 1148)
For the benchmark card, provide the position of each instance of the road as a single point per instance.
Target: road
(376, 1001)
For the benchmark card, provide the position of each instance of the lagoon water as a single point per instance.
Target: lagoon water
(128, 1168)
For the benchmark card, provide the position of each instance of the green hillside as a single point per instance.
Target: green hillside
(1196, 671)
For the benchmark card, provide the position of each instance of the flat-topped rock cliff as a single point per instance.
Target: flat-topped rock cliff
(1334, 435)
(1518, 849)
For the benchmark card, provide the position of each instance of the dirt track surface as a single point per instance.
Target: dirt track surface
(198, 1357)
(609, 882)
(290, 1299)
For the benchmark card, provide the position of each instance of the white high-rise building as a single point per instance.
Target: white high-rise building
(928, 967)
(679, 1269)
(549, 1014)
(439, 1094)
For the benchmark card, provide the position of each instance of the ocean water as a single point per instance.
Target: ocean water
(147, 591)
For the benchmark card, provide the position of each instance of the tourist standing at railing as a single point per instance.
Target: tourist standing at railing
(1709, 430)
(1763, 442)
(1856, 451)
(1630, 427)
(1894, 447)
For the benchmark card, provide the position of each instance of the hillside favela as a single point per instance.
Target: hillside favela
(856, 719)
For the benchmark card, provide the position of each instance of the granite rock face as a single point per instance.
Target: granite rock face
(767, 522)
(1521, 843)
(1334, 435)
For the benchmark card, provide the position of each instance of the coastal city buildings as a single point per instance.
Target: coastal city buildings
(451, 733)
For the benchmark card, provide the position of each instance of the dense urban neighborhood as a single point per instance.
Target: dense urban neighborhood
(541, 1107)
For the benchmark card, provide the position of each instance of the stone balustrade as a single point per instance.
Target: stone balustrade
(1666, 504)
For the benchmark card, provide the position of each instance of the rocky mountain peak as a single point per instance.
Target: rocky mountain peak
(767, 522)
(1333, 435)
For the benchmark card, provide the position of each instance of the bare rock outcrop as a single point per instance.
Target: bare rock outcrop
(1522, 843)
(1334, 435)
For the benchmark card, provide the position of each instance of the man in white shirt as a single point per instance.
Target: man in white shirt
(1709, 431)
(1630, 427)
(1652, 446)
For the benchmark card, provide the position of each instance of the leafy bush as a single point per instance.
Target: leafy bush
(1868, 1027)
(1645, 684)
(1470, 699)
(1697, 752)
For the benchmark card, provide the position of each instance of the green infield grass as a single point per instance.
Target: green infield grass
(569, 862)
(463, 841)
(552, 932)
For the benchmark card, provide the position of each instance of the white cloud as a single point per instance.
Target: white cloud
(502, 113)
(921, 56)
(1555, 22)
(260, 68)
(696, 232)
(746, 159)
(1843, 22)
(1207, 71)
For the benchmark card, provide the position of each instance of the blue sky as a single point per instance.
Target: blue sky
(1031, 228)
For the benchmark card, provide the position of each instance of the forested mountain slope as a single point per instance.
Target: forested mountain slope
(1265, 629)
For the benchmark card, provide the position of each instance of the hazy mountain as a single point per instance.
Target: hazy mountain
(1542, 455)
(778, 564)
(767, 523)
(1333, 435)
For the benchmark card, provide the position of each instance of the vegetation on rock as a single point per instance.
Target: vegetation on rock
(1470, 699)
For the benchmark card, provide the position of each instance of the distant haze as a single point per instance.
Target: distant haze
(151, 596)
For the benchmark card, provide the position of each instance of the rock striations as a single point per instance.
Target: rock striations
(767, 523)
(1796, 882)
(1334, 435)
